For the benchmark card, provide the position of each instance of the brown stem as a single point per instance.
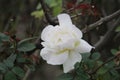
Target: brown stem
(108, 36)
(46, 13)
(99, 22)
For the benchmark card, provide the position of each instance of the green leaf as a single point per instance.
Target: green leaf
(10, 76)
(3, 67)
(106, 68)
(102, 70)
(82, 74)
(38, 6)
(52, 3)
(4, 37)
(65, 77)
(114, 51)
(77, 65)
(9, 62)
(77, 78)
(21, 60)
(118, 29)
(114, 72)
(107, 76)
(85, 56)
(1, 43)
(90, 63)
(18, 71)
(95, 56)
(57, 10)
(37, 14)
(99, 63)
(87, 61)
(111, 64)
(26, 40)
(26, 47)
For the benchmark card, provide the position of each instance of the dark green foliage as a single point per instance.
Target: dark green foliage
(3, 68)
(4, 37)
(93, 67)
(24, 45)
(19, 72)
(118, 29)
(65, 77)
(9, 62)
(10, 76)
(11, 67)
(114, 51)
(96, 56)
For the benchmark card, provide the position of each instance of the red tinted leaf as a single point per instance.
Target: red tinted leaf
(83, 6)
(71, 4)
(95, 11)
(6, 33)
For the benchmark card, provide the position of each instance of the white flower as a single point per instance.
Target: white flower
(63, 44)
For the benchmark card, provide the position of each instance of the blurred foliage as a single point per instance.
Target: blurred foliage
(16, 55)
(118, 29)
(56, 6)
(13, 66)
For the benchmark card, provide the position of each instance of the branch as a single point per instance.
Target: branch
(110, 59)
(46, 13)
(102, 20)
(108, 36)
(27, 74)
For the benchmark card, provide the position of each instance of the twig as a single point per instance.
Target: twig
(110, 59)
(79, 14)
(107, 37)
(105, 19)
(46, 13)
(27, 73)
(103, 64)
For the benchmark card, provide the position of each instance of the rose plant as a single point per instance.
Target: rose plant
(63, 43)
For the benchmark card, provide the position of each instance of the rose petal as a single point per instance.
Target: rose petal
(69, 64)
(84, 46)
(52, 57)
(67, 44)
(50, 33)
(64, 20)
(76, 31)
(46, 33)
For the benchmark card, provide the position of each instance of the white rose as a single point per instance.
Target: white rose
(63, 44)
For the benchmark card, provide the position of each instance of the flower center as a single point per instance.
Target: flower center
(67, 49)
